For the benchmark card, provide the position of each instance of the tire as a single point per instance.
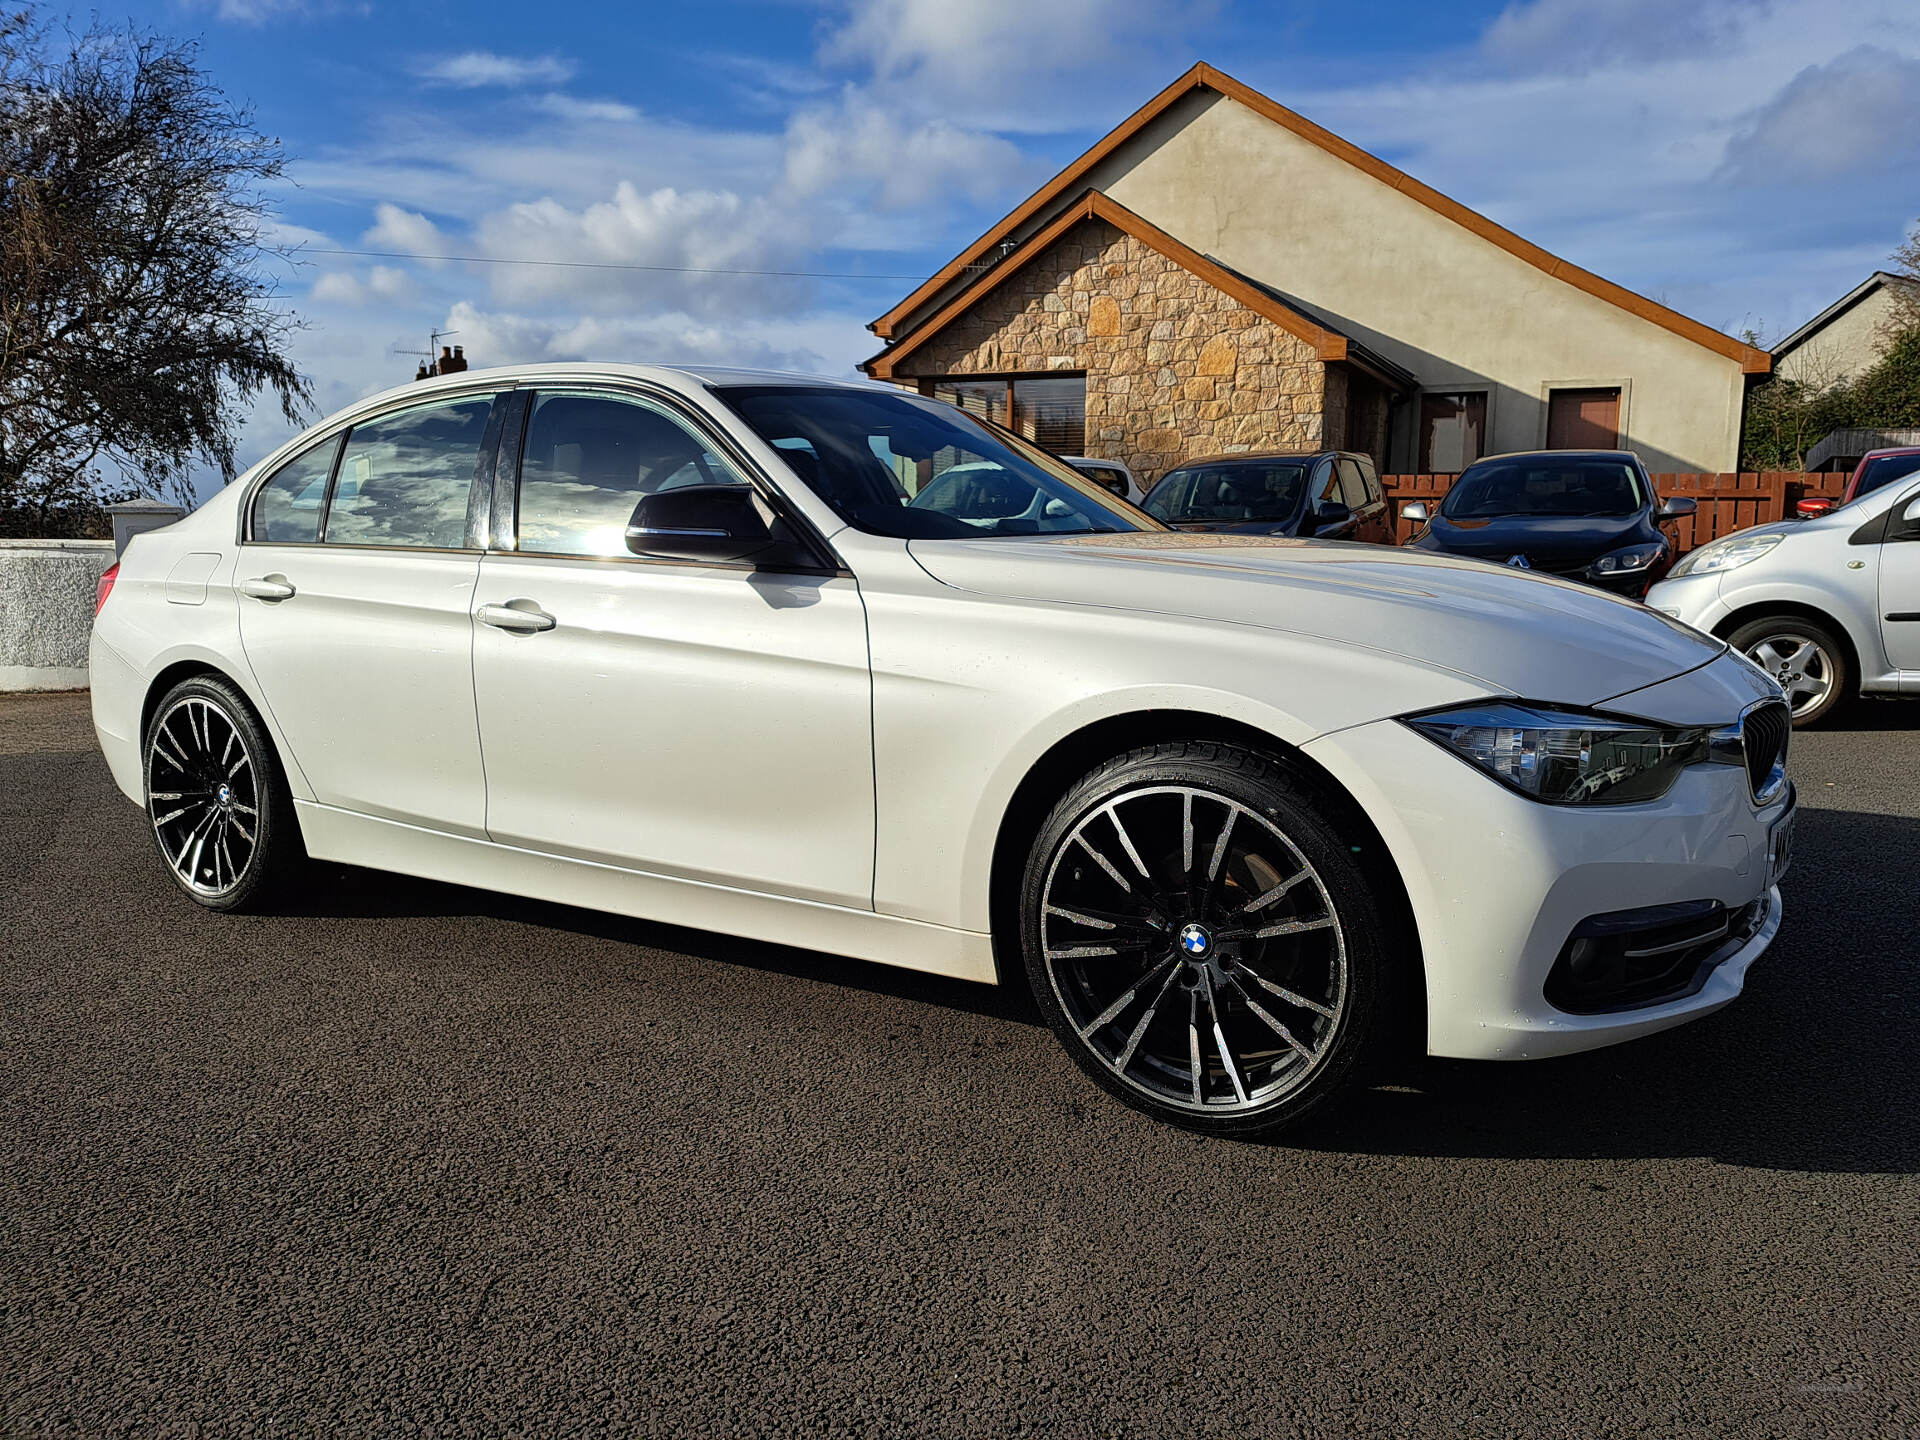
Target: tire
(217, 802)
(1805, 657)
(1195, 900)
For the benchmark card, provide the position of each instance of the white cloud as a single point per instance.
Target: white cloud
(1583, 35)
(800, 342)
(860, 145)
(475, 68)
(383, 284)
(586, 112)
(403, 230)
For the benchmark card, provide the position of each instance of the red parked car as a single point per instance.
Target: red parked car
(1876, 468)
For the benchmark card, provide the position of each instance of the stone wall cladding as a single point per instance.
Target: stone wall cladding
(1175, 368)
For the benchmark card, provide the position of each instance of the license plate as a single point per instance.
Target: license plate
(1780, 847)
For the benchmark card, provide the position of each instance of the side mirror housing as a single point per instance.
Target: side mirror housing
(1814, 505)
(714, 524)
(1330, 515)
(1674, 506)
(1416, 512)
(1911, 515)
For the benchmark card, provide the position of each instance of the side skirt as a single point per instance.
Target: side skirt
(353, 839)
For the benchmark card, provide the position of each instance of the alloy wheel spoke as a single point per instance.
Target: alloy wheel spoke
(1292, 997)
(1193, 1047)
(1220, 1040)
(1104, 863)
(1261, 902)
(1113, 1012)
(1261, 1013)
(1146, 1019)
(1126, 842)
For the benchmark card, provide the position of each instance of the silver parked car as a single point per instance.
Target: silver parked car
(1829, 607)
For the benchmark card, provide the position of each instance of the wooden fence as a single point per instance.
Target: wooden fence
(1727, 502)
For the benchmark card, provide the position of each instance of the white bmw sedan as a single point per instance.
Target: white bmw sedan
(724, 649)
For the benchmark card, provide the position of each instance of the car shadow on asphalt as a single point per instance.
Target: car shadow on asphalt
(1816, 1067)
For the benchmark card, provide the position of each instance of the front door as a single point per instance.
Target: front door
(708, 722)
(355, 602)
(1900, 588)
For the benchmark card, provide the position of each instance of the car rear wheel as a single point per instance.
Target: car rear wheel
(1201, 939)
(217, 803)
(1806, 659)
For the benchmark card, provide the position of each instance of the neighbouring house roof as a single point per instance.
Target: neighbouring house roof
(1879, 280)
(1857, 442)
(1328, 343)
(1395, 374)
(1205, 77)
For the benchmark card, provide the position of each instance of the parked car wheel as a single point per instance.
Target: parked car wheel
(217, 803)
(1200, 938)
(1807, 660)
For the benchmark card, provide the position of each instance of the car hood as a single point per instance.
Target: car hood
(1515, 632)
(1570, 537)
(1234, 527)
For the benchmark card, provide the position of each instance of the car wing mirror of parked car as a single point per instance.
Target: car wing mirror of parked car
(727, 524)
(1674, 506)
(1814, 505)
(1415, 512)
(1911, 515)
(1330, 515)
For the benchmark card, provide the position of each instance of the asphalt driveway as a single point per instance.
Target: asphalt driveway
(422, 1160)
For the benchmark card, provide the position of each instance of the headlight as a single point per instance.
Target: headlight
(1567, 758)
(1627, 561)
(1734, 551)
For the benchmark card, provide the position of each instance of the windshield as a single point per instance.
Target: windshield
(1546, 485)
(1242, 492)
(891, 463)
(1884, 471)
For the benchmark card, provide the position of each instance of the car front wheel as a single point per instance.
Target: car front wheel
(1200, 937)
(1805, 659)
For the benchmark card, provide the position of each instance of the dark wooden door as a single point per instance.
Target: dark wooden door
(1583, 420)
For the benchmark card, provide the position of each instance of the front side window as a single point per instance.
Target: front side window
(587, 462)
(1353, 489)
(404, 478)
(287, 509)
(1544, 485)
(891, 463)
(1240, 491)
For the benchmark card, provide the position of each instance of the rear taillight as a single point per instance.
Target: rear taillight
(104, 588)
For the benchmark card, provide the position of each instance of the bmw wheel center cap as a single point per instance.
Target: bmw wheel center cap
(1196, 942)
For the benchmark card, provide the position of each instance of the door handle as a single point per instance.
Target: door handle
(266, 587)
(522, 617)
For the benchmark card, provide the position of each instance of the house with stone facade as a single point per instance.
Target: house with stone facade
(1220, 275)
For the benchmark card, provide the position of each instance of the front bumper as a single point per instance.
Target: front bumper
(1498, 883)
(1692, 600)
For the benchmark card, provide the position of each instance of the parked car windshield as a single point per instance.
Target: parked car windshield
(1884, 471)
(899, 464)
(1545, 485)
(1245, 492)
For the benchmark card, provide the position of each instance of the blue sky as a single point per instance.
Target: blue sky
(1743, 161)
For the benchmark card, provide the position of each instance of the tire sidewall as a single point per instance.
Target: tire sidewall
(1273, 792)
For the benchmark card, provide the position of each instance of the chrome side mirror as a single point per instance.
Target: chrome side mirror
(1415, 512)
(1674, 506)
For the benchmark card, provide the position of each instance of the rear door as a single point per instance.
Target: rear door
(355, 584)
(708, 722)
(1374, 525)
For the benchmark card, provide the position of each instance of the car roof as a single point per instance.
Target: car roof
(675, 377)
(1891, 450)
(1626, 455)
(1259, 455)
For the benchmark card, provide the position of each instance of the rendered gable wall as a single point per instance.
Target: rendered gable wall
(1453, 308)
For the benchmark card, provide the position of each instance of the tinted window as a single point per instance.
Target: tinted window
(287, 509)
(895, 464)
(1375, 495)
(404, 479)
(1885, 471)
(588, 460)
(1353, 490)
(1542, 485)
(1243, 491)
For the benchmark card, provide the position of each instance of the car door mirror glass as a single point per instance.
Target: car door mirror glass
(1415, 512)
(1674, 506)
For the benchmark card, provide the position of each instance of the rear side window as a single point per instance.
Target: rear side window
(588, 460)
(1372, 478)
(404, 478)
(1353, 490)
(287, 509)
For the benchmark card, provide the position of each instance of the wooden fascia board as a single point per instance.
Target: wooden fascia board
(1096, 206)
(1752, 360)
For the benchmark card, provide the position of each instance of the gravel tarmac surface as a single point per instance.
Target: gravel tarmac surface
(419, 1160)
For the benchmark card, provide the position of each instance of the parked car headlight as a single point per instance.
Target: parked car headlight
(1629, 560)
(1728, 554)
(1564, 757)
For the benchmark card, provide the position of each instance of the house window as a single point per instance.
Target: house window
(1583, 419)
(1049, 410)
(1453, 431)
